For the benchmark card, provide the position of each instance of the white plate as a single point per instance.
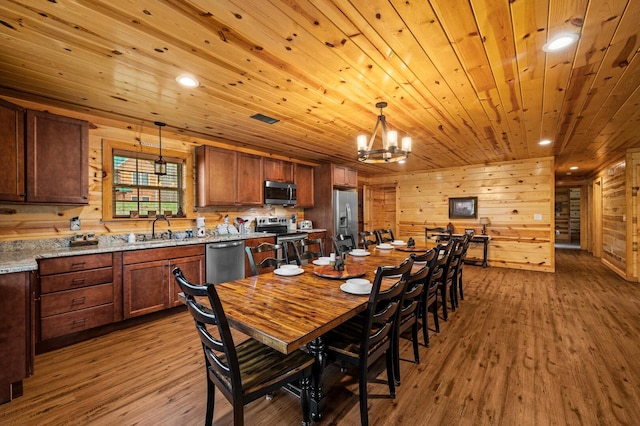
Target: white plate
(346, 287)
(359, 253)
(288, 272)
(321, 262)
(385, 246)
(398, 243)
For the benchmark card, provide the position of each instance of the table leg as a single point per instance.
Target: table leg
(485, 250)
(317, 349)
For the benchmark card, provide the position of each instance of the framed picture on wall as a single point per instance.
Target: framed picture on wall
(463, 208)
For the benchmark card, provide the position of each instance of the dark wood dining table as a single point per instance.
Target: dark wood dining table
(290, 312)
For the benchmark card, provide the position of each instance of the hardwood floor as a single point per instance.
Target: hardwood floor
(524, 348)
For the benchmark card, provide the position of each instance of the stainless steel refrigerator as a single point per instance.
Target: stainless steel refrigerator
(345, 213)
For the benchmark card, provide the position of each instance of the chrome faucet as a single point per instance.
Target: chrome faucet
(153, 226)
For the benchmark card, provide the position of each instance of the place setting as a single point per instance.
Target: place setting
(288, 270)
(359, 252)
(384, 246)
(357, 286)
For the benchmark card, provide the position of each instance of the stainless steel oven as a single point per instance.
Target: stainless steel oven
(279, 225)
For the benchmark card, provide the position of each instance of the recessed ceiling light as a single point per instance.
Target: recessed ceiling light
(560, 41)
(187, 80)
(573, 168)
(544, 142)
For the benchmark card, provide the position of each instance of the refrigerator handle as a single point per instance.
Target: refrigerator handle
(348, 213)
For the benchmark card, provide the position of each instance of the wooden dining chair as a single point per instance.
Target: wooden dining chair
(384, 235)
(245, 372)
(458, 273)
(306, 249)
(429, 300)
(451, 252)
(265, 257)
(369, 336)
(368, 238)
(408, 315)
(343, 243)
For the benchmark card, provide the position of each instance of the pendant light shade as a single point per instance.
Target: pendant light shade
(390, 152)
(160, 166)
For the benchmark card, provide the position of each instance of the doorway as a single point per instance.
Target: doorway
(568, 217)
(379, 208)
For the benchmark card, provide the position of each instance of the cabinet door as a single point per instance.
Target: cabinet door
(57, 159)
(12, 185)
(304, 183)
(15, 333)
(250, 184)
(193, 270)
(278, 170)
(217, 172)
(145, 288)
(351, 178)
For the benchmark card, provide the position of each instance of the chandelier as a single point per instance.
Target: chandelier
(390, 153)
(160, 166)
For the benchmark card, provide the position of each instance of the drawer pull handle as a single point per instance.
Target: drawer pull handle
(77, 265)
(78, 280)
(79, 323)
(78, 301)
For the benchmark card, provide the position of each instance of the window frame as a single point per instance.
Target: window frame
(111, 148)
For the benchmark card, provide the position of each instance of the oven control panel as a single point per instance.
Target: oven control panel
(272, 220)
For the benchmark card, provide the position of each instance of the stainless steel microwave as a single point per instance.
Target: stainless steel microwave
(280, 193)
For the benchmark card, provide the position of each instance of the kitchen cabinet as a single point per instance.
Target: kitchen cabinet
(57, 159)
(78, 293)
(254, 242)
(228, 178)
(345, 177)
(277, 170)
(147, 282)
(16, 333)
(12, 172)
(303, 178)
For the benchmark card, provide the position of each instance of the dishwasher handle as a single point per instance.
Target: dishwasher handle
(224, 245)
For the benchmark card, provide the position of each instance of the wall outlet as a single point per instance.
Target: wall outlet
(74, 223)
(537, 216)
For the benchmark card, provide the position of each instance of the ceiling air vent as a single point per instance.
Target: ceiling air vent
(265, 119)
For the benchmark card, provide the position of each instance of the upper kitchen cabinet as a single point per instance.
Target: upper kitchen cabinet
(228, 178)
(57, 159)
(52, 167)
(345, 177)
(12, 185)
(277, 170)
(303, 178)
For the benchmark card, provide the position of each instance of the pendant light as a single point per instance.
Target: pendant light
(390, 152)
(160, 166)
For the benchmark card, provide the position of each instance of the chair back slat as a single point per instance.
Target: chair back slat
(268, 263)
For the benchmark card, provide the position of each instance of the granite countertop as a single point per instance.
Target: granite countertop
(23, 255)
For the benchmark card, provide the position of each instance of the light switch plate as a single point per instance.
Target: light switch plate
(537, 216)
(74, 223)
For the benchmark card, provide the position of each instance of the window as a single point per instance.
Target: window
(137, 190)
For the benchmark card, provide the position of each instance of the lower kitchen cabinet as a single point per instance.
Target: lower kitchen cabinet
(16, 333)
(77, 293)
(147, 283)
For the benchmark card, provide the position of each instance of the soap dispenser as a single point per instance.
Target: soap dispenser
(132, 237)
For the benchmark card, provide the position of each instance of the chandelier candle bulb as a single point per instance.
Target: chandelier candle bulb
(362, 142)
(406, 144)
(392, 139)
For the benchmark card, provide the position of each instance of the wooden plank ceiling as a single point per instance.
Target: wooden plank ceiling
(466, 79)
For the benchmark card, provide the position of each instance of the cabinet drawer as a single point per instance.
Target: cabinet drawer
(71, 280)
(75, 263)
(150, 255)
(59, 325)
(74, 300)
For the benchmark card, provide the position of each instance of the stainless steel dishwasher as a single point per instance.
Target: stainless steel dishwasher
(224, 261)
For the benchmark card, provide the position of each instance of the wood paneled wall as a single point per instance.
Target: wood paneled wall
(510, 194)
(26, 222)
(614, 211)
